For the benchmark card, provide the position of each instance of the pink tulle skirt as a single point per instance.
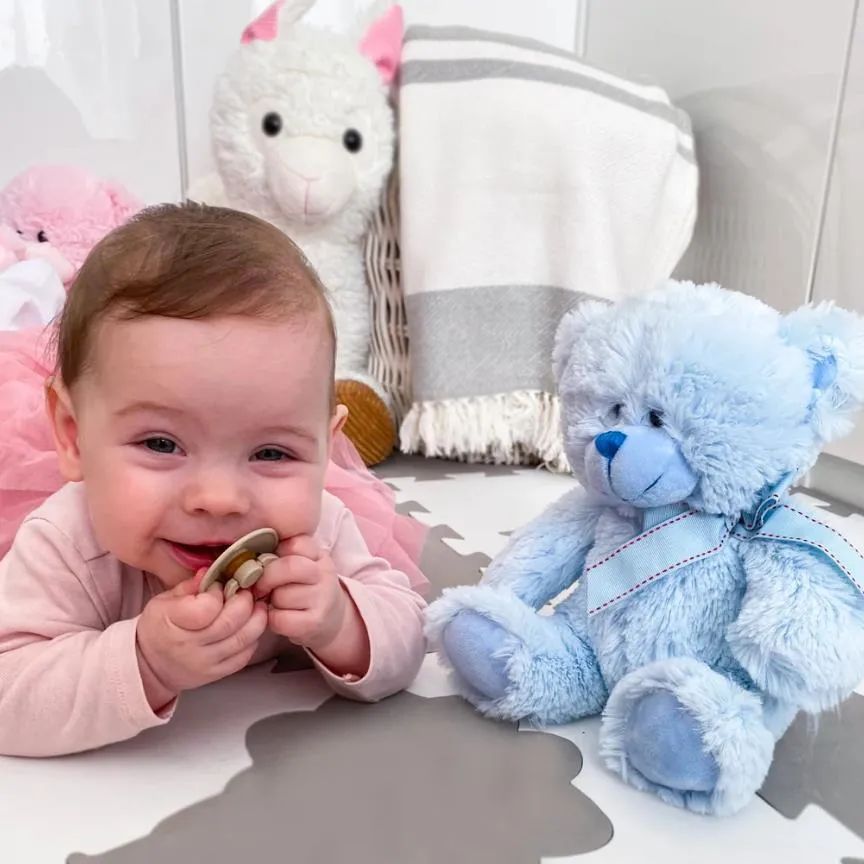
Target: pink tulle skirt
(29, 471)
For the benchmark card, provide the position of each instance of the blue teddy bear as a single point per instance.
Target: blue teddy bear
(709, 608)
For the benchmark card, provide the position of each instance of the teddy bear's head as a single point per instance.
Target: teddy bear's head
(59, 213)
(301, 122)
(702, 395)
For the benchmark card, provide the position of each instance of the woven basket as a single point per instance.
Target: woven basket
(389, 360)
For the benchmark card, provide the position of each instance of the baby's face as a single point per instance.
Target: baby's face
(193, 433)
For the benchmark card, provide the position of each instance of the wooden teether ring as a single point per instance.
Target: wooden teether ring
(241, 564)
(241, 558)
(248, 573)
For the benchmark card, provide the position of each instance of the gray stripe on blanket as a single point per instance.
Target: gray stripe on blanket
(458, 33)
(485, 340)
(479, 68)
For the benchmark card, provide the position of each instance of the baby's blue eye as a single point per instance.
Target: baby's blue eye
(270, 454)
(161, 445)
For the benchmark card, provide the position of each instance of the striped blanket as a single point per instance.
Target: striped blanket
(528, 180)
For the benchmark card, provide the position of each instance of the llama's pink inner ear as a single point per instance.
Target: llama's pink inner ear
(382, 43)
(265, 26)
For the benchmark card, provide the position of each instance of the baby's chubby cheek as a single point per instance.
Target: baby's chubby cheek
(296, 515)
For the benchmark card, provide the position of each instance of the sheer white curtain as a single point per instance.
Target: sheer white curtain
(90, 49)
(90, 82)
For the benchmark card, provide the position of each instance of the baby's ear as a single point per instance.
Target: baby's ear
(833, 340)
(572, 328)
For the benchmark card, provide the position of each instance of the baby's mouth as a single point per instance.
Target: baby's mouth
(213, 549)
(195, 556)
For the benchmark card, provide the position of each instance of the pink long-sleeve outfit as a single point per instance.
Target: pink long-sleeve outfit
(69, 678)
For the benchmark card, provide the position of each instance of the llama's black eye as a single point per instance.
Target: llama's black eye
(42, 237)
(272, 124)
(655, 418)
(352, 140)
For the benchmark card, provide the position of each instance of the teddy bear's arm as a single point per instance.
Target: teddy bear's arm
(547, 555)
(800, 631)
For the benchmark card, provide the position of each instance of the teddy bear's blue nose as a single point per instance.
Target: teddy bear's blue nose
(609, 443)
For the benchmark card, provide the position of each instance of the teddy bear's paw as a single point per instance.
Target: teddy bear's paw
(690, 735)
(477, 648)
(370, 425)
(800, 632)
(511, 663)
(664, 744)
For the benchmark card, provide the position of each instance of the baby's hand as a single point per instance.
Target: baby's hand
(310, 607)
(186, 639)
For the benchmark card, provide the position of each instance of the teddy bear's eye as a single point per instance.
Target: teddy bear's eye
(19, 232)
(615, 413)
(272, 124)
(352, 140)
(42, 237)
(655, 418)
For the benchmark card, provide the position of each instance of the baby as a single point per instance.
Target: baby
(193, 404)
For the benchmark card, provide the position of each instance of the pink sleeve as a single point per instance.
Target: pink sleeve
(69, 678)
(391, 610)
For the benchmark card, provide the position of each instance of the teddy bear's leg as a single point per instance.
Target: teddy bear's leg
(690, 735)
(370, 425)
(512, 663)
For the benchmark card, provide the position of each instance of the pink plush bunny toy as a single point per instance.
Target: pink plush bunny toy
(58, 212)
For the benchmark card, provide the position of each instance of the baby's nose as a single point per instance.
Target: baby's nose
(217, 494)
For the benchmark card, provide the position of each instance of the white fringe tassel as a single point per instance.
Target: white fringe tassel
(521, 428)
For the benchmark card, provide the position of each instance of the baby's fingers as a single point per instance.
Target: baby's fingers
(194, 612)
(287, 571)
(234, 663)
(235, 613)
(246, 638)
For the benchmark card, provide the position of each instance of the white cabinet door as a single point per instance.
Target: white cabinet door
(90, 82)
(210, 31)
(840, 261)
(761, 83)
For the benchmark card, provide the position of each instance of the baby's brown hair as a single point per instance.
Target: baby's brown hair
(189, 261)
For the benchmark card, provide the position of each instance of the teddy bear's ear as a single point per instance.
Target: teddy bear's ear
(573, 325)
(124, 204)
(282, 13)
(833, 340)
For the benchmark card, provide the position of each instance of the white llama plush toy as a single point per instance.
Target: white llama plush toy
(303, 135)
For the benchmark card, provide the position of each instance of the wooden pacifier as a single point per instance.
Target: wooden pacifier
(242, 564)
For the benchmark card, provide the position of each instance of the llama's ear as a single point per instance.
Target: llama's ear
(266, 26)
(382, 43)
